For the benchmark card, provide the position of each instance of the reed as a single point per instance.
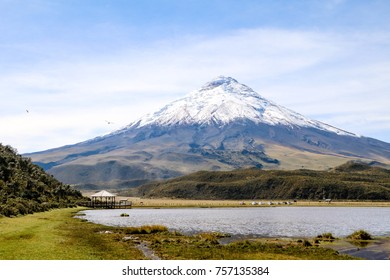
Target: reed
(147, 229)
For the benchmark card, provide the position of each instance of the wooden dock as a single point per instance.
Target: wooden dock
(108, 204)
(106, 200)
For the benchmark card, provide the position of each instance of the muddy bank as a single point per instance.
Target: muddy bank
(378, 249)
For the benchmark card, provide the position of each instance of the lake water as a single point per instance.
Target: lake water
(261, 221)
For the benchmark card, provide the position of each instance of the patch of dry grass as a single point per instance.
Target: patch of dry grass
(167, 203)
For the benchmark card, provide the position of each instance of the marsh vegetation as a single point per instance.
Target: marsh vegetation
(57, 235)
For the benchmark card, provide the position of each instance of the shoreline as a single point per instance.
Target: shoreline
(376, 249)
(379, 248)
(58, 235)
(175, 203)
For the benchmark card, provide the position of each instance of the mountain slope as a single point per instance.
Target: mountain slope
(222, 126)
(25, 188)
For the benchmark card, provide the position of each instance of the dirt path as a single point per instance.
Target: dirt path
(149, 253)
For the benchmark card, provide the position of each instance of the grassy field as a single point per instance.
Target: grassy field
(57, 235)
(156, 202)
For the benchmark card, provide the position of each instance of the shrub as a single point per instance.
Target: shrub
(326, 236)
(9, 210)
(25, 188)
(360, 235)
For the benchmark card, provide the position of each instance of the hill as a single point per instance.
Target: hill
(26, 188)
(353, 180)
(224, 125)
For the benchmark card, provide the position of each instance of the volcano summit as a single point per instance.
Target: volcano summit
(223, 101)
(224, 125)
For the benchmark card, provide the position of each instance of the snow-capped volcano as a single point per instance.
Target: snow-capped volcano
(223, 100)
(224, 125)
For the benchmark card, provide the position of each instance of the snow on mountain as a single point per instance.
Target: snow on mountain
(224, 100)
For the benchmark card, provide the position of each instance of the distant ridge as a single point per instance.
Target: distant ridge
(223, 125)
(351, 181)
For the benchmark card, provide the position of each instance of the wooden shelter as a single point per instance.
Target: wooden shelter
(103, 199)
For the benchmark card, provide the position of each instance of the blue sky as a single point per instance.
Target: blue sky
(75, 64)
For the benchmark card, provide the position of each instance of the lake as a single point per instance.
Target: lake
(254, 221)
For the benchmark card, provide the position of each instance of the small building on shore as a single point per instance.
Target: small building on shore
(103, 199)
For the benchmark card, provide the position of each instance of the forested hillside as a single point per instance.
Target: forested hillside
(353, 180)
(25, 188)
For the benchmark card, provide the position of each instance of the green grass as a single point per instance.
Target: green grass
(58, 235)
